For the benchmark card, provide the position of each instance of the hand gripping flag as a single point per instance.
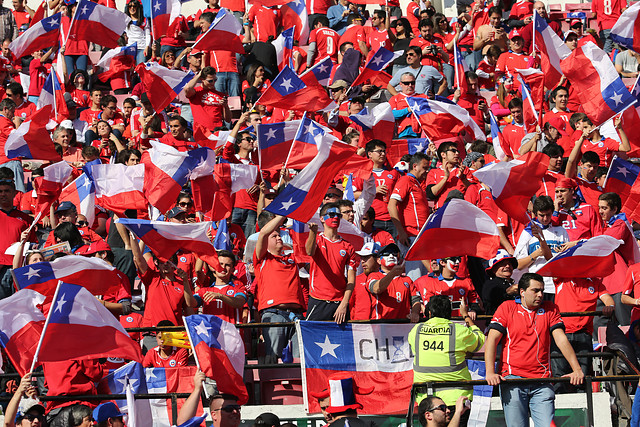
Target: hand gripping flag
(274, 143)
(588, 258)
(96, 275)
(49, 186)
(289, 92)
(222, 242)
(82, 193)
(320, 70)
(597, 84)
(378, 62)
(79, 327)
(219, 350)
(457, 228)
(42, 35)
(225, 33)
(119, 187)
(626, 30)
(300, 199)
(552, 49)
(513, 183)
(377, 123)
(117, 60)
(440, 119)
(161, 84)
(21, 324)
(284, 48)
(163, 14)
(622, 179)
(31, 140)
(99, 24)
(294, 14)
(169, 380)
(53, 94)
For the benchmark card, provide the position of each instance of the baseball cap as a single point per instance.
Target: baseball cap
(501, 256)
(559, 124)
(66, 124)
(65, 206)
(195, 52)
(267, 419)
(575, 21)
(391, 248)
(568, 33)
(174, 212)
(369, 248)
(35, 407)
(98, 246)
(68, 99)
(514, 33)
(339, 84)
(106, 410)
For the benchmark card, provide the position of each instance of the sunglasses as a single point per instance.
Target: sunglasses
(185, 204)
(82, 223)
(32, 417)
(230, 408)
(442, 407)
(330, 195)
(453, 150)
(409, 83)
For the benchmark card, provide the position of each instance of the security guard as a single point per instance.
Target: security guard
(440, 347)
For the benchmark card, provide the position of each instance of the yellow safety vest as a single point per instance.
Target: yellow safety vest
(440, 347)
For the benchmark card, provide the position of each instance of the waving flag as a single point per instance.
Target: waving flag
(161, 84)
(228, 179)
(163, 14)
(274, 142)
(400, 147)
(32, 140)
(225, 33)
(20, 327)
(294, 14)
(222, 242)
(513, 183)
(552, 49)
(289, 92)
(529, 113)
(327, 348)
(377, 123)
(321, 71)
(631, 121)
(378, 62)
(457, 228)
(116, 382)
(304, 147)
(49, 186)
(441, 119)
(117, 60)
(96, 275)
(169, 380)
(301, 198)
(284, 48)
(82, 193)
(202, 181)
(207, 139)
(461, 67)
(299, 232)
(99, 24)
(53, 94)
(41, 35)
(626, 30)
(597, 84)
(622, 178)
(588, 258)
(500, 147)
(79, 327)
(220, 352)
(119, 187)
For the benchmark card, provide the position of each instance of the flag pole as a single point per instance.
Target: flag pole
(73, 18)
(195, 355)
(53, 91)
(533, 34)
(284, 166)
(44, 328)
(455, 63)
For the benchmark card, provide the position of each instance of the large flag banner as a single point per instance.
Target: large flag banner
(274, 143)
(631, 121)
(552, 49)
(42, 35)
(49, 186)
(31, 140)
(376, 355)
(400, 147)
(378, 62)
(213, 192)
(53, 94)
(294, 14)
(588, 258)
(377, 123)
(457, 228)
(82, 193)
(597, 84)
(626, 30)
(163, 15)
(321, 71)
(288, 91)
(622, 179)
(169, 380)
(284, 48)
(99, 24)
(225, 33)
(117, 60)
(500, 147)
(440, 119)
(119, 187)
(161, 84)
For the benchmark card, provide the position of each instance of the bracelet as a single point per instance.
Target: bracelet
(467, 317)
(532, 258)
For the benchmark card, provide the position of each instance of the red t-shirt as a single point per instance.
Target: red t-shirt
(277, 280)
(266, 21)
(413, 206)
(89, 115)
(578, 295)
(327, 43)
(377, 39)
(218, 307)
(428, 59)
(395, 301)
(526, 338)
(486, 82)
(380, 202)
(38, 74)
(223, 61)
(456, 289)
(434, 176)
(586, 224)
(132, 320)
(207, 108)
(165, 299)
(353, 34)
(329, 264)
(6, 127)
(22, 19)
(521, 10)
(607, 12)
(412, 8)
(11, 226)
(178, 357)
(361, 301)
(513, 134)
(482, 198)
(509, 62)
(25, 110)
(605, 149)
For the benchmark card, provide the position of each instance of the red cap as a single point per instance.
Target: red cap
(564, 182)
(575, 21)
(514, 33)
(94, 247)
(559, 124)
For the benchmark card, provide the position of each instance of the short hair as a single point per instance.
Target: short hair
(68, 232)
(471, 75)
(123, 156)
(322, 19)
(553, 150)
(439, 306)
(352, 17)
(373, 144)
(227, 254)
(182, 120)
(16, 88)
(576, 118)
(588, 121)
(371, 214)
(7, 103)
(417, 159)
(106, 100)
(343, 47)
(525, 280)
(590, 157)
(7, 176)
(495, 9)
(494, 51)
(327, 206)
(90, 150)
(129, 101)
(207, 16)
(208, 71)
(344, 202)
(602, 171)
(414, 49)
(77, 413)
(413, 76)
(264, 218)
(94, 90)
(425, 23)
(613, 200)
(381, 14)
(443, 147)
(479, 146)
(554, 92)
(515, 103)
(426, 405)
(542, 203)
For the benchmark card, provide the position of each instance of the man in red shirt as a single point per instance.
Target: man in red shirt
(90, 115)
(605, 148)
(331, 257)
(581, 220)
(323, 42)
(381, 34)
(22, 14)
(560, 97)
(469, 99)
(355, 34)
(409, 209)
(209, 107)
(24, 108)
(527, 30)
(529, 326)
(266, 21)
(165, 356)
(606, 13)
(515, 131)
(514, 59)
(177, 136)
(448, 176)
(433, 50)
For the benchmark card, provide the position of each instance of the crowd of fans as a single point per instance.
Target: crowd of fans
(269, 277)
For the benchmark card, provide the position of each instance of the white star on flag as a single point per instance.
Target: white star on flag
(149, 374)
(327, 347)
(287, 205)
(271, 133)
(323, 68)
(202, 330)
(87, 183)
(61, 302)
(286, 83)
(617, 98)
(32, 272)
(124, 380)
(53, 22)
(377, 60)
(419, 148)
(156, 6)
(622, 170)
(85, 9)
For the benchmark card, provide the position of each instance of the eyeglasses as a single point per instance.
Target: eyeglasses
(378, 151)
(185, 204)
(409, 83)
(82, 223)
(211, 81)
(230, 408)
(330, 195)
(442, 407)
(32, 417)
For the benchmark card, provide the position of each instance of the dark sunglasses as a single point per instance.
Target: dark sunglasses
(185, 204)
(409, 83)
(82, 223)
(442, 407)
(231, 408)
(454, 259)
(32, 417)
(330, 195)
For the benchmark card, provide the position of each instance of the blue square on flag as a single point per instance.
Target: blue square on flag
(332, 345)
(287, 82)
(33, 273)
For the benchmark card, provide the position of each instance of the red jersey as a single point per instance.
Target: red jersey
(12, 225)
(526, 338)
(513, 134)
(484, 71)
(89, 115)
(132, 320)
(482, 198)
(22, 20)
(428, 59)
(607, 12)
(590, 190)
(327, 43)
(564, 115)
(218, 307)
(165, 299)
(277, 280)
(207, 108)
(578, 295)
(266, 21)
(413, 8)
(329, 264)
(586, 224)
(624, 256)
(413, 206)
(380, 202)
(178, 357)
(434, 176)
(377, 39)
(521, 10)
(395, 301)
(508, 62)
(223, 61)
(548, 184)
(25, 110)
(632, 281)
(353, 34)
(399, 102)
(456, 289)
(361, 301)
(605, 149)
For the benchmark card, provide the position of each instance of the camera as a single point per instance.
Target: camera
(432, 50)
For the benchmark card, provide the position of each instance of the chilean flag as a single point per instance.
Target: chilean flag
(400, 147)
(631, 121)
(378, 62)
(513, 183)
(321, 71)
(228, 179)
(461, 68)
(378, 123)
(119, 187)
(289, 92)
(117, 60)
(552, 49)
(225, 33)
(38, 15)
(457, 228)
(626, 30)
(163, 15)
(202, 181)
(622, 179)
(274, 143)
(41, 35)
(301, 198)
(597, 84)
(49, 186)
(284, 48)
(80, 327)
(500, 147)
(304, 147)
(300, 232)
(222, 242)
(21, 326)
(529, 113)
(96, 275)
(208, 139)
(139, 411)
(53, 94)
(440, 119)
(32, 140)
(82, 193)
(168, 380)
(219, 350)
(161, 84)
(589, 258)
(294, 14)
(99, 24)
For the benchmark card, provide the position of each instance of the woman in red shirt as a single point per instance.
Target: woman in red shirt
(76, 53)
(77, 88)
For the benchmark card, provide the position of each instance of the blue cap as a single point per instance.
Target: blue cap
(65, 206)
(106, 410)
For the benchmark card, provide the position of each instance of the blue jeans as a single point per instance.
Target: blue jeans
(228, 82)
(518, 401)
(246, 219)
(605, 36)
(140, 56)
(473, 59)
(18, 173)
(76, 62)
(276, 339)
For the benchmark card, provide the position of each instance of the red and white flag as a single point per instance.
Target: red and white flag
(589, 258)
(117, 60)
(49, 186)
(228, 179)
(41, 35)
(552, 49)
(99, 24)
(441, 119)
(289, 92)
(161, 84)
(294, 14)
(225, 33)
(32, 140)
(163, 15)
(119, 187)
(377, 123)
